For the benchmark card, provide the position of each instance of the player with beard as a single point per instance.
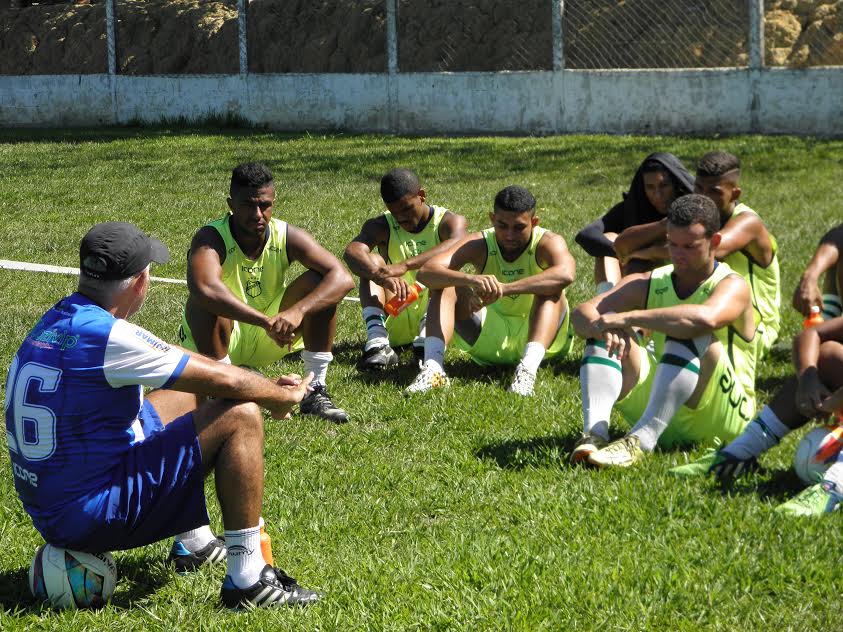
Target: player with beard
(512, 310)
(242, 310)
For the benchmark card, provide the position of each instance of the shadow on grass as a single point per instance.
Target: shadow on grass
(136, 580)
(777, 485)
(549, 451)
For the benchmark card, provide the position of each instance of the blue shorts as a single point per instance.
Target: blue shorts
(156, 491)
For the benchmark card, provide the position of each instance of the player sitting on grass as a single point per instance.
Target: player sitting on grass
(623, 240)
(513, 310)
(699, 384)
(99, 467)
(241, 309)
(816, 391)
(746, 244)
(407, 235)
(826, 260)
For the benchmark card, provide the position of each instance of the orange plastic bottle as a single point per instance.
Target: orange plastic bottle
(395, 307)
(814, 319)
(266, 545)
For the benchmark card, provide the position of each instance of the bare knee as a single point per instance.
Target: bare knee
(830, 364)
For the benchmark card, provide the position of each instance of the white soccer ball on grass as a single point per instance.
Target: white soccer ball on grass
(62, 578)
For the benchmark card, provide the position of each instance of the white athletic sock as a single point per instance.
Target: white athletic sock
(676, 377)
(245, 560)
(832, 306)
(418, 341)
(533, 356)
(601, 380)
(225, 360)
(196, 539)
(317, 361)
(434, 353)
(376, 334)
(762, 433)
(834, 474)
(604, 286)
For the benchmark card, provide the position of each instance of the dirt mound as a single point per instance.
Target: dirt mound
(200, 36)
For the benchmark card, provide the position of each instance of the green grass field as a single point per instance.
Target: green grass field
(458, 510)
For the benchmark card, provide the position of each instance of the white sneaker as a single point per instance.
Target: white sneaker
(427, 379)
(523, 382)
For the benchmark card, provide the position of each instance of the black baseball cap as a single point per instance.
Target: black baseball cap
(118, 250)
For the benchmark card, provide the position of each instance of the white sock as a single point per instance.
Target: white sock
(225, 360)
(533, 356)
(434, 353)
(601, 379)
(604, 286)
(832, 306)
(762, 433)
(676, 377)
(834, 474)
(245, 560)
(375, 320)
(196, 539)
(317, 361)
(418, 341)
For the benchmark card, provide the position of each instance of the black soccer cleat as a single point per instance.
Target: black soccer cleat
(318, 403)
(185, 561)
(273, 588)
(378, 359)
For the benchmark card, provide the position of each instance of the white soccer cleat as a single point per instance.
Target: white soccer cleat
(427, 379)
(523, 382)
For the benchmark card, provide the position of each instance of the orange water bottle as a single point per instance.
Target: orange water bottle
(266, 544)
(395, 306)
(814, 319)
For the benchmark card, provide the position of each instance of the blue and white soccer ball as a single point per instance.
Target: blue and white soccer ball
(816, 452)
(62, 578)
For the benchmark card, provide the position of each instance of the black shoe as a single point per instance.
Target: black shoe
(273, 588)
(418, 352)
(378, 358)
(318, 402)
(185, 561)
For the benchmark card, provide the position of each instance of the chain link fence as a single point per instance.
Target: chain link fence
(165, 37)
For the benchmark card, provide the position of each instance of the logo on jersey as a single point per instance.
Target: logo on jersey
(738, 402)
(152, 341)
(661, 290)
(274, 249)
(25, 475)
(252, 269)
(517, 272)
(56, 338)
(253, 289)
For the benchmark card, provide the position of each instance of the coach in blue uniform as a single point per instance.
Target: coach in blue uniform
(99, 467)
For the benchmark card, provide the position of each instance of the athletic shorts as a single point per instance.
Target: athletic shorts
(767, 337)
(502, 339)
(404, 328)
(723, 412)
(156, 491)
(249, 345)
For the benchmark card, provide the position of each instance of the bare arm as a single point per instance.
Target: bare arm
(357, 255)
(808, 292)
(638, 237)
(207, 377)
(656, 252)
(443, 270)
(336, 281)
(559, 269)
(746, 232)
(727, 303)
(451, 230)
(204, 281)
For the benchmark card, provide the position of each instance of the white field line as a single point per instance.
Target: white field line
(6, 264)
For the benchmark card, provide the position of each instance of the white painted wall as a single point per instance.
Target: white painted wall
(793, 101)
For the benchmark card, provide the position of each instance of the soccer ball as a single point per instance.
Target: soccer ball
(817, 451)
(71, 579)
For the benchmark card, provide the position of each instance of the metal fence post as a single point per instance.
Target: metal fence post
(557, 11)
(111, 54)
(242, 43)
(392, 63)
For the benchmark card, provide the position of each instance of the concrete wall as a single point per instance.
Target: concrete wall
(793, 101)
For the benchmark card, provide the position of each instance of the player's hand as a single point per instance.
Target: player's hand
(810, 394)
(293, 379)
(833, 404)
(293, 394)
(386, 272)
(282, 327)
(398, 286)
(806, 295)
(487, 288)
(731, 467)
(618, 342)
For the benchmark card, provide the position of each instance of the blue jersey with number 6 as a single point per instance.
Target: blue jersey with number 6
(73, 394)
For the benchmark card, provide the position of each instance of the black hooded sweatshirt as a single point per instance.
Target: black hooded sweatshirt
(635, 209)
